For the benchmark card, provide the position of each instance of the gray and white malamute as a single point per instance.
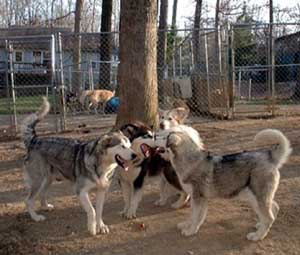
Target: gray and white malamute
(88, 165)
(252, 176)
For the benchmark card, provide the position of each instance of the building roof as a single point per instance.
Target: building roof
(38, 38)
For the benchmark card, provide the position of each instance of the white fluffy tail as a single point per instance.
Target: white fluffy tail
(282, 151)
(29, 123)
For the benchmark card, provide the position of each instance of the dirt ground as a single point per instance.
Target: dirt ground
(224, 231)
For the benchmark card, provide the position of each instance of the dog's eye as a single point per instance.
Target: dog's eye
(162, 117)
(170, 119)
(123, 147)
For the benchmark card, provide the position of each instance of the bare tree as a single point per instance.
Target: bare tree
(199, 100)
(174, 34)
(137, 72)
(77, 47)
(162, 46)
(105, 44)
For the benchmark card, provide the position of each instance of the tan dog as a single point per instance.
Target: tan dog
(95, 97)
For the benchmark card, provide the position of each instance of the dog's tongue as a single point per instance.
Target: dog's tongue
(126, 166)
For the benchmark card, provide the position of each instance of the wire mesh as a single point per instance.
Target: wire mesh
(242, 69)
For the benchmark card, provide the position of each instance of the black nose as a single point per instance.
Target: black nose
(162, 126)
(133, 156)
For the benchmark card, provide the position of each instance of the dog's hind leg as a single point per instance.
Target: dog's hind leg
(30, 201)
(165, 192)
(91, 213)
(182, 201)
(101, 227)
(275, 210)
(44, 193)
(126, 191)
(266, 219)
(136, 197)
(34, 180)
(199, 211)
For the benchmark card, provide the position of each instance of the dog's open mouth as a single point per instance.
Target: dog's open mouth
(146, 149)
(122, 162)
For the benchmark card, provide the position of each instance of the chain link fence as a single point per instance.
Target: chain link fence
(239, 70)
(266, 62)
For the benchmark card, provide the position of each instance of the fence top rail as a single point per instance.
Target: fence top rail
(257, 24)
(11, 38)
(259, 67)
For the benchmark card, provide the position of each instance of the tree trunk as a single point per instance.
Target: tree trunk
(77, 48)
(217, 34)
(137, 70)
(199, 101)
(174, 14)
(105, 45)
(162, 47)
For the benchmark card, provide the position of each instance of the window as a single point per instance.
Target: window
(37, 57)
(19, 56)
(46, 58)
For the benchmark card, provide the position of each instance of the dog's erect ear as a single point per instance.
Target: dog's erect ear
(181, 114)
(106, 141)
(128, 130)
(160, 112)
(173, 140)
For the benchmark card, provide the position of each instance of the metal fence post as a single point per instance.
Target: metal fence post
(6, 61)
(180, 60)
(233, 74)
(272, 73)
(91, 76)
(70, 78)
(61, 84)
(53, 84)
(12, 83)
(207, 70)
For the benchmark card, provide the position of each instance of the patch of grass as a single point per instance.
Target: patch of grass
(24, 104)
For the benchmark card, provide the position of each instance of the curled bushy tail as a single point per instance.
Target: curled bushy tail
(29, 123)
(282, 151)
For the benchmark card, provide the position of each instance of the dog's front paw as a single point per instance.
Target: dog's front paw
(92, 228)
(189, 231)
(102, 228)
(130, 215)
(39, 217)
(184, 224)
(253, 236)
(123, 212)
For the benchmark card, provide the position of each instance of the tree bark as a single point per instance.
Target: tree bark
(174, 49)
(199, 101)
(105, 44)
(77, 48)
(137, 70)
(162, 47)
